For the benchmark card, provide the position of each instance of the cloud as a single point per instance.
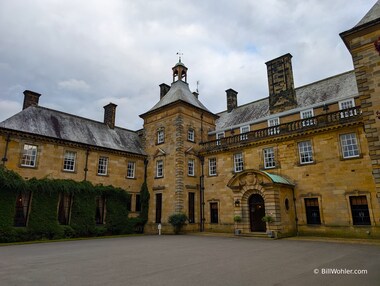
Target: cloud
(81, 53)
(74, 85)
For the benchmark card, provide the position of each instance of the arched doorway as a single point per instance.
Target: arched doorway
(256, 213)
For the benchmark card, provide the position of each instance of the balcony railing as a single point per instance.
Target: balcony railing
(320, 121)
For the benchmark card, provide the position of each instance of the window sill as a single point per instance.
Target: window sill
(103, 175)
(29, 167)
(130, 178)
(306, 164)
(70, 172)
(351, 158)
(158, 177)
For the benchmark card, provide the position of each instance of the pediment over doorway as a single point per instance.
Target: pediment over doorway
(251, 179)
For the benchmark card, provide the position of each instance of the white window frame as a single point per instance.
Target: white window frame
(238, 162)
(212, 167)
(218, 136)
(131, 167)
(191, 135)
(272, 123)
(160, 136)
(69, 160)
(346, 104)
(269, 158)
(349, 146)
(103, 166)
(306, 114)
(305, 151)
(29, 155)
(159, 168)
(243, 130)
(191, 167)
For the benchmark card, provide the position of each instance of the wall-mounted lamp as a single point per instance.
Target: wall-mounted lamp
(237, 203)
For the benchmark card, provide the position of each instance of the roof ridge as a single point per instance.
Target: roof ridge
(327, 78)
(80, 117)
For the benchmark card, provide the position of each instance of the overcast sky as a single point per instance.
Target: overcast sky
(81, 55)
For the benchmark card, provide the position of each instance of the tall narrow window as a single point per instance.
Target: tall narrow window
(158, 207)
(306, 152)
(312, 211)
(69, 161)
(190, 167)
(159, 169)
(349, 145)
(191, 135)
(306, 115)
(29, 156)
(243, 131)
(212, 167)
(64, 208)
(359, 210)
(214, 218)
(138, 203)
(103, 166)
(219, 136)
(269, 158)
(160, 136)
(238, 162)
(191, 207)
(22, 209)
(272, 123)
(131, 170)
(100, 210)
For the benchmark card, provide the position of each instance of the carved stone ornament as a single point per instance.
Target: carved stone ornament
(377, 45)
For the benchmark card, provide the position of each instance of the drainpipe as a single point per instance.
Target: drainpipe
(201, 128)
(295, 211)
(86, 166)
(202, 195)
(4, 159)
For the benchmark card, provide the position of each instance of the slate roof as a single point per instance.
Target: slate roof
(59, 125)
(372, 14)
(312, 95)
(179, 91)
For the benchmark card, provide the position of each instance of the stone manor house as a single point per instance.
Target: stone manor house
(307, 156)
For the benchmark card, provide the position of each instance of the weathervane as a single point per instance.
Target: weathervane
(179, 56)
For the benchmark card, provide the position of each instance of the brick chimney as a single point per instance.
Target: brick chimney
(231, 99)
(31, 98)
(281, 84)
(164, 88)
(109, 115)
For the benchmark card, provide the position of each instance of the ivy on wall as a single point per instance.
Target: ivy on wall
(43, 211)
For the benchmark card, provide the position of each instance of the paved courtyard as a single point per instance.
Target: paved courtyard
(188, 260)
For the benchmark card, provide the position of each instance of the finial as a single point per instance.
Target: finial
(179, 56)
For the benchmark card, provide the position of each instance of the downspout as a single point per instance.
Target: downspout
(202, 195)
(295, 211)
(86, 166)
(5, 159)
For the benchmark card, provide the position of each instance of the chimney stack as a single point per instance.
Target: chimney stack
(231, 99)
(281, 84)
(164, 88)
(195, 94)
(31, 98)
(110, 114)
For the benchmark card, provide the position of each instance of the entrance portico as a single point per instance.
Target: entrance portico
(257, 194)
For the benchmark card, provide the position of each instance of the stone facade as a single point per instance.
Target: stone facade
(306, 157)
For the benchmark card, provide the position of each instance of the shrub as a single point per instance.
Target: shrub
(177, 221)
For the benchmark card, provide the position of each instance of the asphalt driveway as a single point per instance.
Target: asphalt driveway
(189, 260)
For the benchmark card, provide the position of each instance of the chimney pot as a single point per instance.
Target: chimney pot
(195, 94)
(31, 98)
(110, 114)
